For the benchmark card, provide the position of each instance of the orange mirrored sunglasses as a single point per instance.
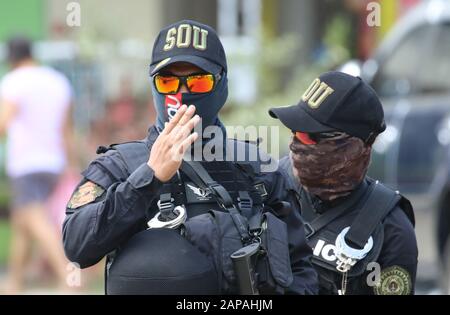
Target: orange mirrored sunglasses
(314, 138)
(195, 83)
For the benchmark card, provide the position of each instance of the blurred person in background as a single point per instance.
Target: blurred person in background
(35, 116)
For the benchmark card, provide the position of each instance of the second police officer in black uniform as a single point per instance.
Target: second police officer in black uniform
(361, 232)
(144, 184)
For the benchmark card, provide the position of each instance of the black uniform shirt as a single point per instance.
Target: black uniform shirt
(398, 256)
(108, 207)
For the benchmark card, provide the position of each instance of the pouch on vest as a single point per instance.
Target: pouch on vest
(217, 235)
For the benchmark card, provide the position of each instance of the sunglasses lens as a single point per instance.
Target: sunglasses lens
(166, 85)
(331, 135)
(304, 138)
(202, 83)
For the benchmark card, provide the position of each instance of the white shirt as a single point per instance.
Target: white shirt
(35, 136)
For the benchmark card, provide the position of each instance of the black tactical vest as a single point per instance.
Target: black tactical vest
(238, 178)
(323, 244)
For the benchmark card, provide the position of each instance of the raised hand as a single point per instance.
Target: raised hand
(168, 150)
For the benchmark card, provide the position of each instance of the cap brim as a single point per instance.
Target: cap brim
(296, 119)
(200, 62)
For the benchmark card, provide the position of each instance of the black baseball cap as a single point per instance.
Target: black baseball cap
(336, 102)
(189, 41)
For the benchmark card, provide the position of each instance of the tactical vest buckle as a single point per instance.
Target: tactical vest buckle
(166, 206)
(245, 203)
(348, 256)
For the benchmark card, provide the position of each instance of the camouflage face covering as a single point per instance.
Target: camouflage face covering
(333, 167)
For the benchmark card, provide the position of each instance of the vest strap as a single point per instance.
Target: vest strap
(245, 203)
(197, 173)
(380, 201)
(326, 218)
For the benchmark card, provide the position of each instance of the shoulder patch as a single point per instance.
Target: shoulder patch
(85, 194)
(394, 281)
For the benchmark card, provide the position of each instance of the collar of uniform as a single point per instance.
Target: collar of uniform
(321, 206)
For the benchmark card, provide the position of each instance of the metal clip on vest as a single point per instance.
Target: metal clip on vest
(348, 256)
(158, 223)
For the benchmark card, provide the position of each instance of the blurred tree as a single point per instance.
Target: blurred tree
(277, 87)
(24, 17)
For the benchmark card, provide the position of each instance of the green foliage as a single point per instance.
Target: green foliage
(4, 195)
(5, 232)
(337, 40)
(24, 17)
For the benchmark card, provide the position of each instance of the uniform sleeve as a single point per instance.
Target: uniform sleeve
(119, 211)
(399, 252)
(305, 277)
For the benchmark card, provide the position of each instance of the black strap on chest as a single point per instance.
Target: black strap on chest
(321, 221)
(197, 173)
(378, 203)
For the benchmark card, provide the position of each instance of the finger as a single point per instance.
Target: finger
(193, 122)
(176, 154)
(175, 133)
(186, 144)
(179, 149)
(187, 115)
(174, 121)
(186, 130)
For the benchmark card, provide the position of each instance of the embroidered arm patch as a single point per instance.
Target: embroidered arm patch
(86, 193)
(395, 280)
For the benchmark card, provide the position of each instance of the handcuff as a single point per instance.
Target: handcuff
(157, 223)
(348, 256)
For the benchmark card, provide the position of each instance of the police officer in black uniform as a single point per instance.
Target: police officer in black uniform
(141, 184)
(361, 232)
